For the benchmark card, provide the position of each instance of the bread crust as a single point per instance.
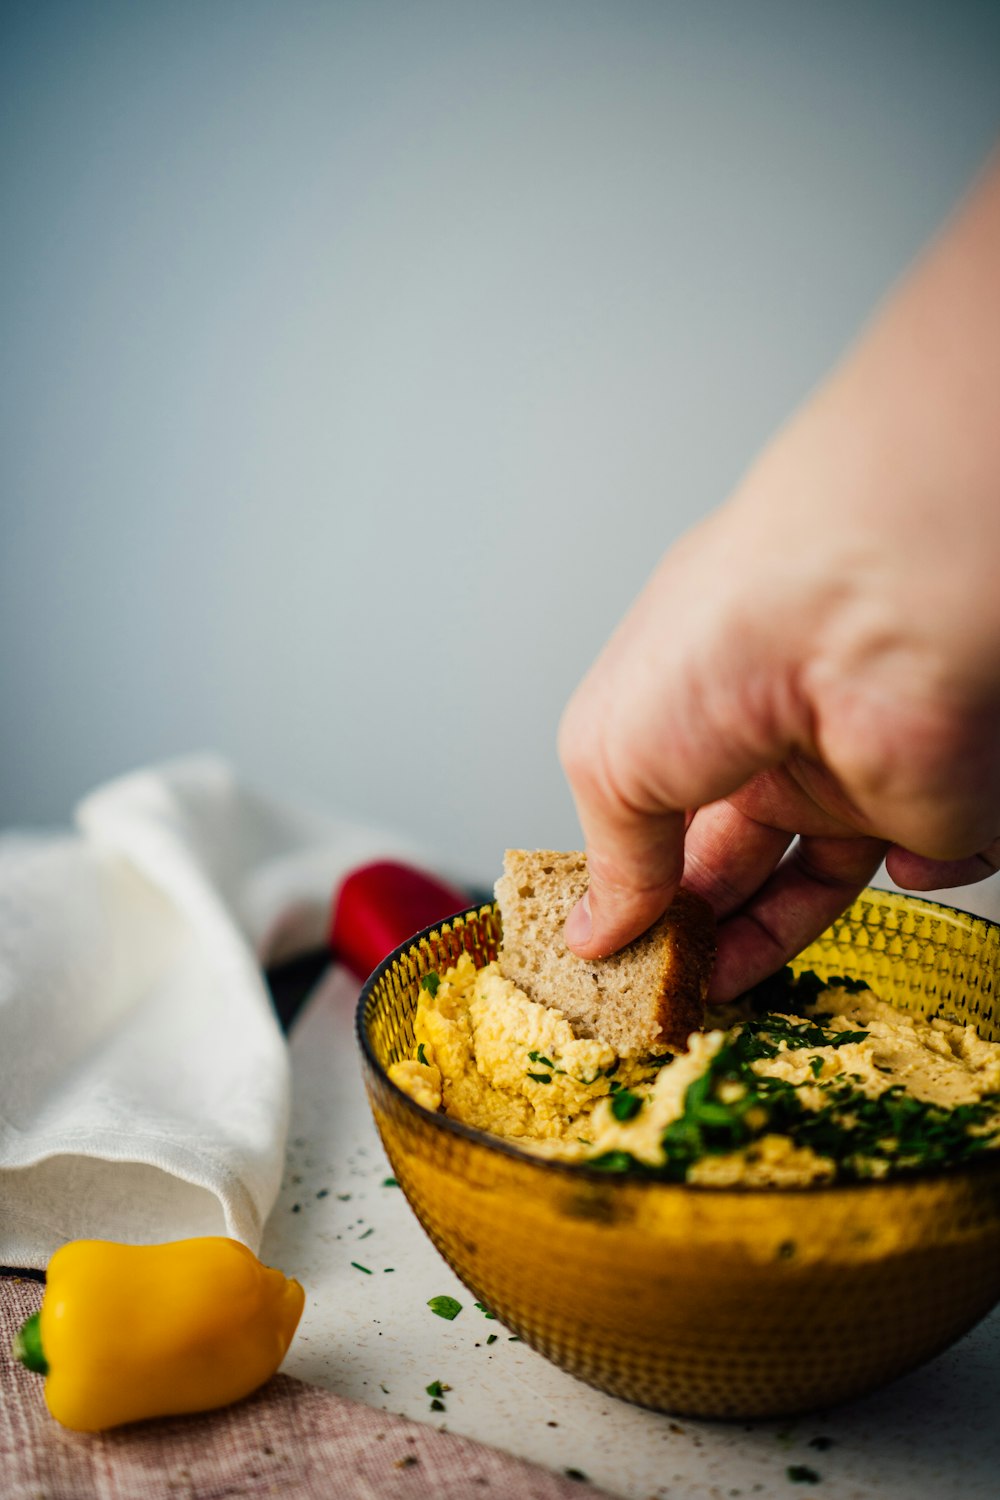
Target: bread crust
(647, 998)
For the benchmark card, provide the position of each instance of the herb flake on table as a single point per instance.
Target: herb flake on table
(802, 1474)
(445, 1307)
(358, 1267)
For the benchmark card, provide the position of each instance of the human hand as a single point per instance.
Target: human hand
(811, 680)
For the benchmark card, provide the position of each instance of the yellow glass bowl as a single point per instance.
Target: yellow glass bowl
(707, 1301)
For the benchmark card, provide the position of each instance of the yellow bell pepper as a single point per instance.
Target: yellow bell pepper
(133, 1331)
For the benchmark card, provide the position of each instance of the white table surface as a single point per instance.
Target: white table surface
(934, 1434)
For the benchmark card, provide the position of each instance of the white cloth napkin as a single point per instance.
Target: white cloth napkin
(143, 1077)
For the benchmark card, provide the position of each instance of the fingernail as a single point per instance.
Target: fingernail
(578, 924)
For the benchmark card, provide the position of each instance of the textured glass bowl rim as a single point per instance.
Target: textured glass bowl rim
(986, 1165)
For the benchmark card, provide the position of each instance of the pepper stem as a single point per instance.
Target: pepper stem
(27, 1345)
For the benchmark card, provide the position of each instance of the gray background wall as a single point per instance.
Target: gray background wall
(359, 360)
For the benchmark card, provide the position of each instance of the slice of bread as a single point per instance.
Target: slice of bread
(647, 998)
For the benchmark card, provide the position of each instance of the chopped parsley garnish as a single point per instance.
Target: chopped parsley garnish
(613, 1161)
(430, 983)
(789, 992)
(775, 1033)
(436, 1388)
(541, 1060)
(358, 1267)
(422, 1055)
(730, 1106)
(625, 1105)
(485, 1310)
(837, 982)
(445, 1307)
(608, 1072)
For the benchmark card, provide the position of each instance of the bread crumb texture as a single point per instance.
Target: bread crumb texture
(646, 999)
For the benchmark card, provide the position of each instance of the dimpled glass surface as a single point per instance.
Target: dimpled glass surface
(710, 1302)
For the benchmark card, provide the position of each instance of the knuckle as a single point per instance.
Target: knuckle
(839, 864)
(589, 761)
(575, 738)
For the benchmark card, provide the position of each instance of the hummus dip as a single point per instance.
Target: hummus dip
(811, 1083)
